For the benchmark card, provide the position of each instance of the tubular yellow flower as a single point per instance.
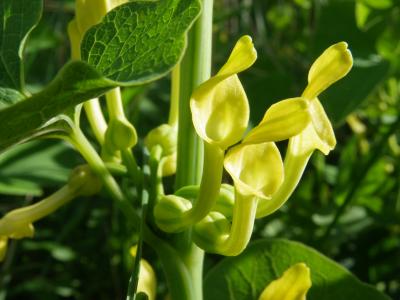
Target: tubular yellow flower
(17, 223)
(220, 114)
(220, 110)
(147, 277)
(292, 285)
(257, 172)
(317, 132)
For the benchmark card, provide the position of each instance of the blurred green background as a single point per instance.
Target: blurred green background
(347, 205)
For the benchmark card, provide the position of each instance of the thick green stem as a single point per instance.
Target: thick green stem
(174, 106)
(195, 69)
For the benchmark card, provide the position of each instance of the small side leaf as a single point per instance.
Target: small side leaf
(139, 41)
(75, 83)
(17, 19)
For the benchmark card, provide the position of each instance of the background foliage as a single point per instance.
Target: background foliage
(347, 205)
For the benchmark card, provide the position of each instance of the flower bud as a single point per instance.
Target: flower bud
(120, 135)
(211, 231)
(168, 165)
(169, 211)
(164, 135)
(84, 181)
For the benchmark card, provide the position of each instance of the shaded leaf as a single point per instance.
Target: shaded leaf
(139, 41)
(246, 276)
(17, 19)
(29, 168)
(75, 83)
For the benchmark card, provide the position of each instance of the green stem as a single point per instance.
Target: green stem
(114, 103)
(96, 119)
(195, 69)
(99, 168)
(131, 165)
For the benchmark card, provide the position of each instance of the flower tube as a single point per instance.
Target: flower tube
(18, 223)
(257, 172)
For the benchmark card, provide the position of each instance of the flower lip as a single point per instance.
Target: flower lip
(332, 65)
(247, 165)
(281, 121)
(219, 106)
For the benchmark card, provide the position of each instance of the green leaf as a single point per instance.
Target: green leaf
(29, 168)
(9, 97)
(139, 41)
(17, 19)
(245, 276)
(75, 83)
(378, 4)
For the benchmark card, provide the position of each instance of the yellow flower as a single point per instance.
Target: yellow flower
(147, 277)
(256, 169)
(303, 120)
(304, 117)
(292, 285)
(220, 110)
(257, 172)
(17, 223)
(220, 114)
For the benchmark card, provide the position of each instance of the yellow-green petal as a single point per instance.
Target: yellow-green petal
(242, 57)
(292, 285)
(219, 106)
(256, 169)
(333, 64)
(3, 247)
(74, 39)
(282, 120)
(23, 231)
(89, 13)
(323, 136)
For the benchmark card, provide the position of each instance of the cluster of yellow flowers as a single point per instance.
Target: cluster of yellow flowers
(262, 181)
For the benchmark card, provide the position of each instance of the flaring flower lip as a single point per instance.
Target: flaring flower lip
(220, 110)
(247, 165)
(332, 65)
